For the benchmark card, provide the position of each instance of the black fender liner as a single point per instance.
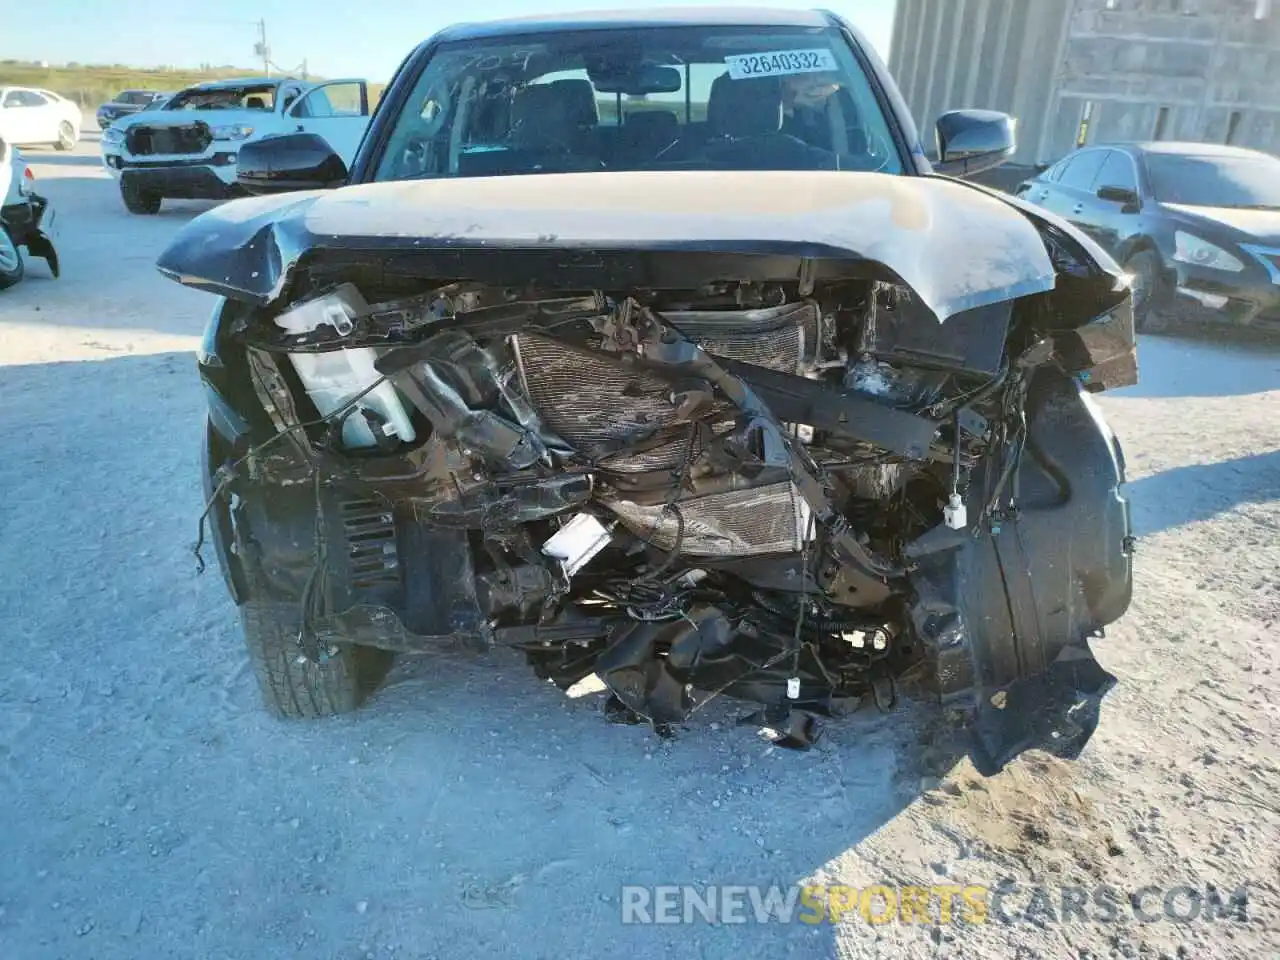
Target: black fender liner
(1008, 615)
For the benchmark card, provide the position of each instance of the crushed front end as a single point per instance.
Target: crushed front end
(776, 478)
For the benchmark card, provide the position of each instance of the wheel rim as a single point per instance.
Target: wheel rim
(1140, 285)
(67, 134)
(8, 253)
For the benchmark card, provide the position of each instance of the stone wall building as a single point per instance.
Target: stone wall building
(1077, 71)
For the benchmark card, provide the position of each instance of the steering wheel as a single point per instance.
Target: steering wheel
(779, 146)
(552, 145)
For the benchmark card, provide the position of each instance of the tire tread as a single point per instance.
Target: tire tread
(297, 688)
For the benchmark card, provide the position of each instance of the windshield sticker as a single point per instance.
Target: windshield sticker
(777, 63)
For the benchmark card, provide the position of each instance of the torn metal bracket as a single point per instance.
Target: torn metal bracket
(823, 407)
(273, 393)
(808, 276)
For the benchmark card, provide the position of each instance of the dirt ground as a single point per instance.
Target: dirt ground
(149, 807)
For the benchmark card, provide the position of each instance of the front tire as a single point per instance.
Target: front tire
(11, 265)
(66, 136)
(296, 688)
(1146, 269)
(139, 201)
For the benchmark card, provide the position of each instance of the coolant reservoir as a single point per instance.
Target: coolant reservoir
(332, 378)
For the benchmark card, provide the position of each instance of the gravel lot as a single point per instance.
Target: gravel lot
(150, 808)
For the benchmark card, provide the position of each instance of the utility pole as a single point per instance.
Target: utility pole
(261, 48)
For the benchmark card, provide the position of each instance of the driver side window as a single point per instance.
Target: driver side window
(1083, 169)
(1118, 171)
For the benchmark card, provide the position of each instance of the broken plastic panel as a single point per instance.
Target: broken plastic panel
(577, 542)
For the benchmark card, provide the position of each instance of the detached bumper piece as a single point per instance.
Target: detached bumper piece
(27, 223)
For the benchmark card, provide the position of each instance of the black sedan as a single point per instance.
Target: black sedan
(1196, 225)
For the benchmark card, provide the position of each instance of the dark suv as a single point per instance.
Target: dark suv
(653, 346)
(125, 104)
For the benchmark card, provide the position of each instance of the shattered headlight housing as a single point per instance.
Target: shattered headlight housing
(232, 131)
(1189, 248)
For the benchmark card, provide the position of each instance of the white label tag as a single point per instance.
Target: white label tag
(777, 63)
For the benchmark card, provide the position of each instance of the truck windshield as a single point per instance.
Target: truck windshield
(249, 97)
(669, 98)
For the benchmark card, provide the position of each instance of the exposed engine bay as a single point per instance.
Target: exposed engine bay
(768, 490)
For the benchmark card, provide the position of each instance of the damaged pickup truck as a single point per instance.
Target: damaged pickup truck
(654, 347)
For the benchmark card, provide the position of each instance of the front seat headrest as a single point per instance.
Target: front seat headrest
(744, 108)
(553, 113)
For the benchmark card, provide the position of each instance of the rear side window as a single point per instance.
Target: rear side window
(1083, 170)
(1118, 171)
(1055, 172)
(24, 98)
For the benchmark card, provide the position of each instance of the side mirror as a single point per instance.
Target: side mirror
(1122, 195)
(292, 161)
(971, 141)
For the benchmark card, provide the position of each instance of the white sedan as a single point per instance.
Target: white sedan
(31, 117)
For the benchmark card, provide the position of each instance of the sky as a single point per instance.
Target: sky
(338, 38)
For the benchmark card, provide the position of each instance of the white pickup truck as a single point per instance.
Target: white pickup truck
(187, 150)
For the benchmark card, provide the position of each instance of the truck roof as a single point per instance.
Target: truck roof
(234, 82)
(622, 19)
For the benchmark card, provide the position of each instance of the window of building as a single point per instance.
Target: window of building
(1233, 127)
(1086, 118)
(1262, 10)
(1112, 4)
(1162, 123)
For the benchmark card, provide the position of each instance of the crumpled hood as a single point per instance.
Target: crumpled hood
(1260, 225)
(956, 246)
